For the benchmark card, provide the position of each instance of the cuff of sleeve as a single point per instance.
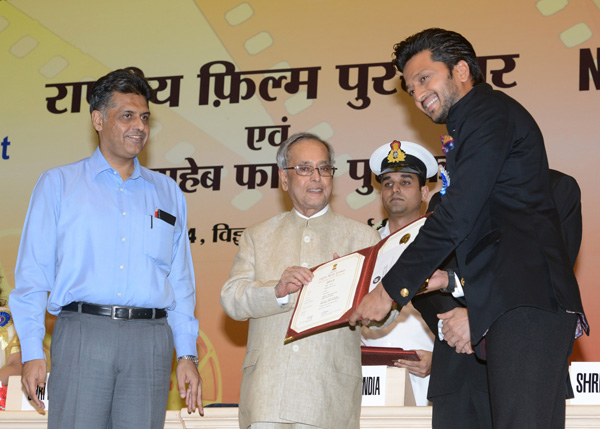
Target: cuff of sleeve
(283, 301)
(402, 297)
(31, 348)
(459, 292)
(185, 344)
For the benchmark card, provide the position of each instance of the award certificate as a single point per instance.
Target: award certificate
(330, 294)
(339, 285)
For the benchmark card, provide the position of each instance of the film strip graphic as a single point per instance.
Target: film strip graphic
(576, 34)
(245, 29)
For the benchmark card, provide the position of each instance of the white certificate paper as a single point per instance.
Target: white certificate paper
(330, 294)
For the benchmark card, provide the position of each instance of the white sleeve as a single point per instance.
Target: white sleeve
(458, 289)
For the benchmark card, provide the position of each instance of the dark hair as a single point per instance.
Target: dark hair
(284, 149)
(445, 46)
(127, 81)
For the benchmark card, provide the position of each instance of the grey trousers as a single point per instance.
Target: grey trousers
(109, 373)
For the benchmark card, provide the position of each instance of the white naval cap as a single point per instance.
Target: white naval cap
(403, 156)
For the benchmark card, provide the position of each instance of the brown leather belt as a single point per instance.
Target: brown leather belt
(116, 311)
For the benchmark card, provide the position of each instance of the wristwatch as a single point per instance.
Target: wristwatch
(451, 281)
(189, 357)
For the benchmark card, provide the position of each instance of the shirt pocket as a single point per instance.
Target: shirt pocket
(158, 241)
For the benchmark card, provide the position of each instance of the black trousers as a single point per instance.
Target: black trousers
(467, 408)
(527, 363)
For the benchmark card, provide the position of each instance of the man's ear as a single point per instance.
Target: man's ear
(283, 179)
(97, 120)
(463, 71)
(424, 192)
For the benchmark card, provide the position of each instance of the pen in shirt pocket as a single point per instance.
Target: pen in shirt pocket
(152, 218)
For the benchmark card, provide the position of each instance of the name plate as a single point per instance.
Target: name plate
(374, 379)
(386, 386)
(16, 398)
(585, 379)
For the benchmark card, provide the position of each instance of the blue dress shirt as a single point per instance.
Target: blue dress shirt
(90, 236)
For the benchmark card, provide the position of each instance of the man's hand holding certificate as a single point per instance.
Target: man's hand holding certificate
(339, 285)
(292, 280)
(329, 295)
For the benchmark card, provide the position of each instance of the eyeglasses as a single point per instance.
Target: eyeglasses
(308, 170)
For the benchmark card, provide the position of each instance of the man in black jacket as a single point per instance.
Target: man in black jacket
(458, 385)
(499, 218)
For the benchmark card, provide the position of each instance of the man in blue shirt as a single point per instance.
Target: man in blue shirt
(107, 239)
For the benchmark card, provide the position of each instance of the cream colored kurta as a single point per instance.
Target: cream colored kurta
(314, 380)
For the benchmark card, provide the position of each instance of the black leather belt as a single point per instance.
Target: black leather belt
(116, 311)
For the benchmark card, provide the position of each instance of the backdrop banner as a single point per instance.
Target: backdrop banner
(234, 78)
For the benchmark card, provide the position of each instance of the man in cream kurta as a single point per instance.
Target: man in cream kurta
(314, 381)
